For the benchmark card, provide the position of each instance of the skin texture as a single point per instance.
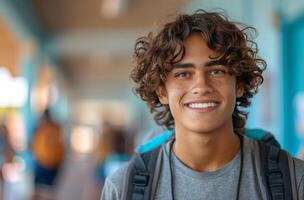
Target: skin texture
(205, 140)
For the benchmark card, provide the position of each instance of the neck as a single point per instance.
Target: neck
(206, 151)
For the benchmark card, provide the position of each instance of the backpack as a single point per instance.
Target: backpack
(48, 147)
(277, 175)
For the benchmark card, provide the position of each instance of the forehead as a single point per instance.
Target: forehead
(196, 45)
(197, 50)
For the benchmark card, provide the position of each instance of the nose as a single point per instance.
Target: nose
(202, 85)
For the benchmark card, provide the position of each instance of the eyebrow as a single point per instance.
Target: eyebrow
(191, 65)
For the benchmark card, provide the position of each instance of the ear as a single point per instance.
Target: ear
(239, 90)
(162, 95)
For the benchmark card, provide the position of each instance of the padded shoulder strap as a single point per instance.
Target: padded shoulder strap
(139, 178)
(275, 172)
(268, 138)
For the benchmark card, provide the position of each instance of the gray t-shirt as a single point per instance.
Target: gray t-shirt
(192, 185)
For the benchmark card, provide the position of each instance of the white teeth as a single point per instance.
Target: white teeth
(202, 105)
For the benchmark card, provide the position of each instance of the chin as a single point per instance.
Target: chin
(203, 129)
(207, 124)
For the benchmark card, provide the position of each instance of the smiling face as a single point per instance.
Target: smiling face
(200, 92)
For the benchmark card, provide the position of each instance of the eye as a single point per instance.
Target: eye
(182, 74)
(217, 72)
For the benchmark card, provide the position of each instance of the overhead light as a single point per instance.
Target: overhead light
(83, 139)
(113, 8)
(13, 90)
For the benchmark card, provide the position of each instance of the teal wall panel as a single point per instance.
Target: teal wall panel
(293, 81)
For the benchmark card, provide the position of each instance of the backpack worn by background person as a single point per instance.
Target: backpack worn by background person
(276, 168)
(48, 147)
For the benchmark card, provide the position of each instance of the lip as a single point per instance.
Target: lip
(202, 110)
(201, 101)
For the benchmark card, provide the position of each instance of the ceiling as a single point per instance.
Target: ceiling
(96, 50)
(62, 15)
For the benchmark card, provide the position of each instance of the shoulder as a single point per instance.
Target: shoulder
(253, 147)
(250, 144)
(299, 172)
(114, 183)
(117, 176)
(298, 164)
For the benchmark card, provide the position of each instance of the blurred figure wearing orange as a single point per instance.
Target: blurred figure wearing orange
(48, 150)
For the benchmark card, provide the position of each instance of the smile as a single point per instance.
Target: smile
(203, 106)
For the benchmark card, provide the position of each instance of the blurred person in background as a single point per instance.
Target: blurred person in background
(113, 151)
(48, 150)
(7, 154)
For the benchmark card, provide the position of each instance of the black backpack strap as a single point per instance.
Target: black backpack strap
(268, 138)
(275, 172)
(139, 178)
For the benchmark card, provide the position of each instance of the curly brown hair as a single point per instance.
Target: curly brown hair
(155, 55)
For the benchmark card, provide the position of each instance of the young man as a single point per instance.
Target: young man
(195, 75)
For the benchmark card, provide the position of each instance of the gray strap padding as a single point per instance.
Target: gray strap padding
(293, 179)
(126, 180)
(257, 160)
(157, 171)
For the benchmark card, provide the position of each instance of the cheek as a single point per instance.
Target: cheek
(175, 92)
(231, 96)
(228, 91)
(176, 89)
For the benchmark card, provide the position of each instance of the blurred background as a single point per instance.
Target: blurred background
(68, 116)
